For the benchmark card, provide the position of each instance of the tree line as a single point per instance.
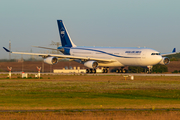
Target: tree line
(156, 69)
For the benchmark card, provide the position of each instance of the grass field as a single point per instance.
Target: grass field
(90, 92)
(117, 115)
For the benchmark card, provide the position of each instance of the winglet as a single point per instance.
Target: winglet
(174, 50)
(6, 49)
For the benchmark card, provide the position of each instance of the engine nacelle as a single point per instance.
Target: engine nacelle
(51, 60)
(164, 61)
(91, 64)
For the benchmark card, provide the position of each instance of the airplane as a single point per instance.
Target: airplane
(94, 57)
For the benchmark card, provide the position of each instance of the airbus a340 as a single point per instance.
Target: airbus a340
(94, 57)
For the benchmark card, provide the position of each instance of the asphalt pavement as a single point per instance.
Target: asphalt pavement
(124, 74)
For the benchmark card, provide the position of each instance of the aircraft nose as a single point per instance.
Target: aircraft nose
(156, 59)
(159, 58)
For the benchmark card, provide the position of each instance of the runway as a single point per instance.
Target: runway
(123, 74)
(137, 74)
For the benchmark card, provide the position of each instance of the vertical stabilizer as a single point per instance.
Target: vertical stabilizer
(64, 36)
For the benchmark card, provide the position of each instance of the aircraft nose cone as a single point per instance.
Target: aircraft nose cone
(156, 59)
(159, 58)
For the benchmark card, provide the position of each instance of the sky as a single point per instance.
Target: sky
(109, 23)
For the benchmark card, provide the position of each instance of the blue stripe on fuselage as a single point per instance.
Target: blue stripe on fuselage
(98, 51)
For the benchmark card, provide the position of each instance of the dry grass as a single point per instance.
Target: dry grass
(112, 115)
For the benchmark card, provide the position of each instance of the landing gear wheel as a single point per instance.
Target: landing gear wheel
(124, 71)
(93, 70)
(149, 69)
(105, 70)
(87, 70)
(90, 70)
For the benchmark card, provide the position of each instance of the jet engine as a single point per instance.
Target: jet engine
(91, 64)
(164, 61)
(51, 60)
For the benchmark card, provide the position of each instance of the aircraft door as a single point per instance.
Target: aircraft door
(142, 59)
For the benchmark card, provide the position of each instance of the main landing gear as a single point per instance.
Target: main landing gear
(90, 70)
(105, 70)
(122, 70)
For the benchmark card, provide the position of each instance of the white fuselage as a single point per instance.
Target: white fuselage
(122, 56)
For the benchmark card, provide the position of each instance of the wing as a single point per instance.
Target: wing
(169, 53)
(64, 56)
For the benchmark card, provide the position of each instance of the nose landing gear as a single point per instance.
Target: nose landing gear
(149, 69)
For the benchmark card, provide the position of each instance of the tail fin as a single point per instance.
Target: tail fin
(63, 33)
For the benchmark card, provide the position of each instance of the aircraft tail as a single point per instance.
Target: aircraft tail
(64, 36)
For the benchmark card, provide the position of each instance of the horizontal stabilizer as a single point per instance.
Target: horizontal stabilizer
(45, 48)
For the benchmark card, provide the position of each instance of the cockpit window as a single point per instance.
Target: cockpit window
(155, 54)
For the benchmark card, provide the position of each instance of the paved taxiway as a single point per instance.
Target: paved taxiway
(130, 74)
(138, 74)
